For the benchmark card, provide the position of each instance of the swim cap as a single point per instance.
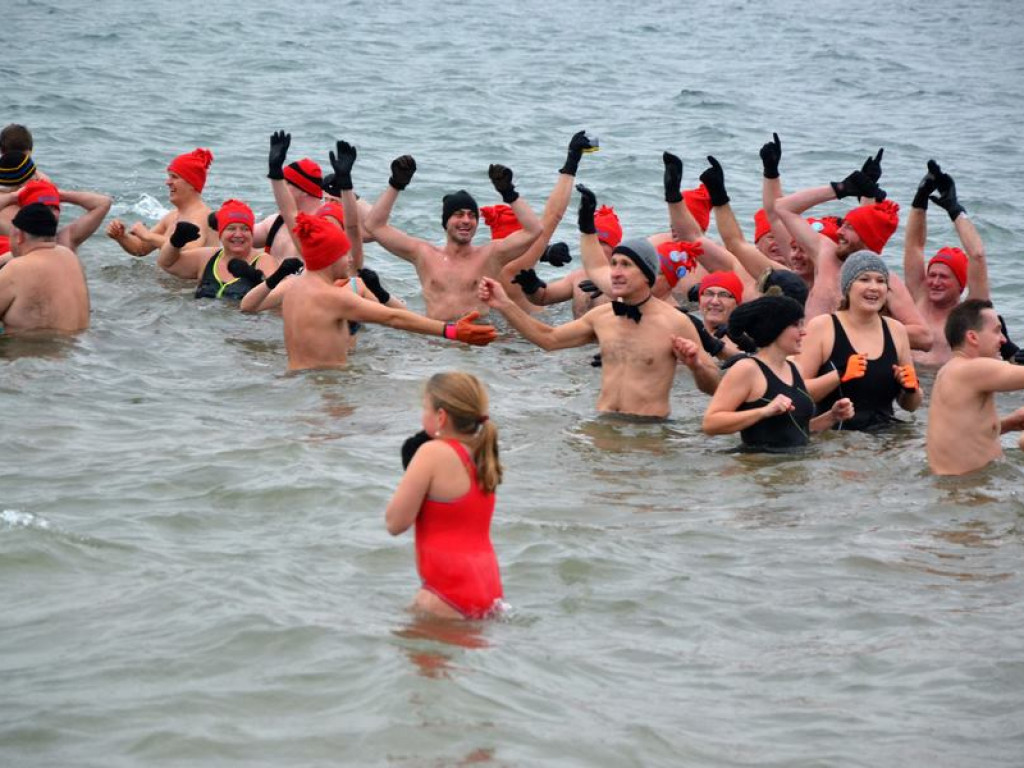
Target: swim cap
(827, 226)
(16, 168)
(457, 201)
(333, 210)
(642, 253)
(677, 258)
(609, 230)
(321, 242)
(234, 212)
(730, 281)
(956, 260)
(698, 201)
(857, 264)
(307, 176)
(39, 191)
(36, 220)
(783, 282)
(764, 319)
(875, 223)
(501, 219)
(761, 224)
(192, 167)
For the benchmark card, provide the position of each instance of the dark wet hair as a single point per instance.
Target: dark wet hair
(965, 317)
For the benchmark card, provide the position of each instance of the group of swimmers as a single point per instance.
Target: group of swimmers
(801, 330)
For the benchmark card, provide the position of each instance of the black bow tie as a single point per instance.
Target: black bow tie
(632, 311)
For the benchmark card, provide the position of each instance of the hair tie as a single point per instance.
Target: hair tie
(482, 419)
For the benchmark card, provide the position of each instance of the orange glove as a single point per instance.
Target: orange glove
(463, 330)
(907, 377)
(856, 367)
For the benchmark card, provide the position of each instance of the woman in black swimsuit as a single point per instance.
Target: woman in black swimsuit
(763, 397)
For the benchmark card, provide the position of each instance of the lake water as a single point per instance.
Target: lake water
(194, 563)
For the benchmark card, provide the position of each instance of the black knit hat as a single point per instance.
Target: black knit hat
(36, 220)
(457, 201)
(764, 319)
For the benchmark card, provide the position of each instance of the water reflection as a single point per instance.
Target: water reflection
(436, 662)
(46, 345)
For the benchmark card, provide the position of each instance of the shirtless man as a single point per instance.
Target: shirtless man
(963, 425)
(305, 186)
(317, 314)
(642, 339)
(72, 235)
(186, 177)
(450, 274)
(43, 286)
(867, 227)
(937, 288)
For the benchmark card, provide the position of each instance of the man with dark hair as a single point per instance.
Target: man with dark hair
(451, 273)
(15, 138)
(963, 425)
(43, 286)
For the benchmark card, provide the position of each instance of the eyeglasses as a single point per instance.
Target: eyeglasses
(718, 295)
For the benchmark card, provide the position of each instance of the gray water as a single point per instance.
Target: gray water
(194, 564)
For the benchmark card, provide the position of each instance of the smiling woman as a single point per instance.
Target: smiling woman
(859, 354)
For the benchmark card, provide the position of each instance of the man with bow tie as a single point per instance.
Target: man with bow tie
(641, 337)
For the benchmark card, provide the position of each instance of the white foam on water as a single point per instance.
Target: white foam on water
(15, 519)
(146, 207)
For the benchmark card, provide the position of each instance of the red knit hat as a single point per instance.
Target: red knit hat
(761, 224)
(956, 260)
(321, 242)
(728, 280)
(501, 219)
(609, 230)
(333, 210)
(698, 201)
(677, 257)
(234, 212)
(827, 226)
(192, 167)
(875, 223)
(307, 176)
(39, 191)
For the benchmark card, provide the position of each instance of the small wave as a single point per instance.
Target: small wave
(14, 519)
(146, 206)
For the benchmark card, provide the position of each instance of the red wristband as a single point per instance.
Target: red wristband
(449, 331)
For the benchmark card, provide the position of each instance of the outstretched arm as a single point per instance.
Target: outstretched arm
(572, 334)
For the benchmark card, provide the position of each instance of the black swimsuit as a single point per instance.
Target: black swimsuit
(212, 287)
(784, 430)
(874, 392)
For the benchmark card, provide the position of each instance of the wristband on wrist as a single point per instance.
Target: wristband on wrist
(450, 332)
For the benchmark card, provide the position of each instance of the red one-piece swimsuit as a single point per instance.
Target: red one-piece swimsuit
(454, 554)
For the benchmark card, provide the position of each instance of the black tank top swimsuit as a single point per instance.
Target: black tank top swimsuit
(784, 430)
(212, 287)
(873, 393)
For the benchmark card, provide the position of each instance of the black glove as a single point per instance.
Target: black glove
(501, 178)
(410, 446)
(928, 184)
(288, 267)
(1008, 350)
(529, 281)
(211, 221)
(588, 207)
(402, 170)
(947, 196)
(242, 269)
(557, 255)
(673, 177)
(279, 143)
(872, 167)
(372, 282)
(184, 232)
(342, 163)
(857, 184)
(587, 286)
(714, 180)
(578, 144)
(771, 154)
(693, 293)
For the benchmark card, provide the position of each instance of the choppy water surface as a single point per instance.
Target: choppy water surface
(194, 564)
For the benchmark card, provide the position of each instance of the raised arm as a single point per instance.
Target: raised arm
(96, 208)
(902, 308)
(516, 244)
(592, 254)
(279, 144)
(977, 267)
(572, 334)
(771, 190)
(684, 226)
(342, 161)
(394, 240)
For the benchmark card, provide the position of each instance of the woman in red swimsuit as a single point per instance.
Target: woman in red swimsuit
(448, 492)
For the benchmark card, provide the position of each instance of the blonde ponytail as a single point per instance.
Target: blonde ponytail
(464, 399)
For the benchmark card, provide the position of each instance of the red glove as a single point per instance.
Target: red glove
(856, 367)
(465, 331)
